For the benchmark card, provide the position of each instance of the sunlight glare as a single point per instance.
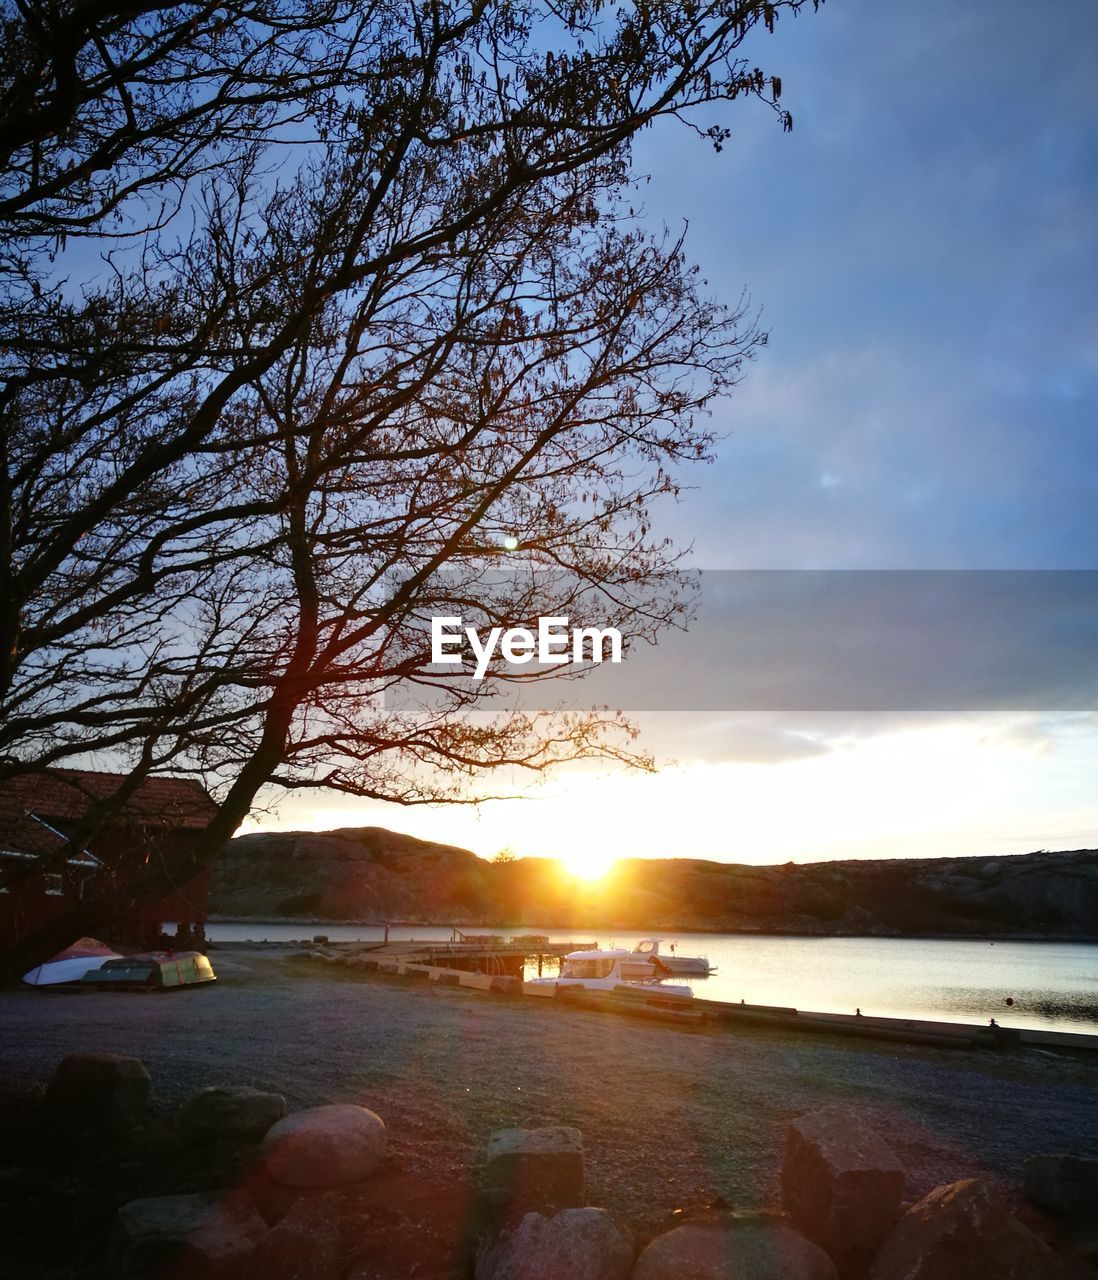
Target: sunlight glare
(588, 864)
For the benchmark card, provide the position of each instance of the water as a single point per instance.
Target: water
(1053, 985)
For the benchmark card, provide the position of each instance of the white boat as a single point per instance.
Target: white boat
(647, 960)
(70, 965)
(603, 971)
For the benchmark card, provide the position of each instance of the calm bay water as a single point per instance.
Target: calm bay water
(1052, 984)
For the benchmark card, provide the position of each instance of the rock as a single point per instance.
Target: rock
(200, 1237)
(234, 1112)
(1062, 1184)
(840, 1181)
(91, 1090)
(324, 1146)
(580, 1244)
(533, 1170)
(304, 1245)
(960, 1232)
(748, 1247)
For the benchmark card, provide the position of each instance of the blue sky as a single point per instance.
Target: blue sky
(924, 247)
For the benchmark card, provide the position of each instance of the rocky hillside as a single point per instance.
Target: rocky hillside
(370, 873)
(360, 873)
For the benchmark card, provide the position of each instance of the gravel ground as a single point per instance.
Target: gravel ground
(671, 1117)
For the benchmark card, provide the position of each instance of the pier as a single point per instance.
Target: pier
(488, 953)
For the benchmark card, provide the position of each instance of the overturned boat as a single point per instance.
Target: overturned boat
(152, 971)
(71, 965)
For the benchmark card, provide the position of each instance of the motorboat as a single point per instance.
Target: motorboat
(647, 960)
(69, 966)
(602, 970)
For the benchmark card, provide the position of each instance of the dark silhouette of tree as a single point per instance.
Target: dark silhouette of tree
(316, 317)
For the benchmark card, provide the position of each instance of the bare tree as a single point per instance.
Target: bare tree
(370, 317)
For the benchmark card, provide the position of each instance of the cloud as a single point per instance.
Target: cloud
(715, 737)
(920, 641)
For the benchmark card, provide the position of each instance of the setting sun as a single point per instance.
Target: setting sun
(587, 864)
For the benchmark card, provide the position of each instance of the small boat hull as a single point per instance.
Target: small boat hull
(617, 985)
(152, 971)
(70, 966)
(677, 966)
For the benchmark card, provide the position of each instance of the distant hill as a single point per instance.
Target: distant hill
(370, 873)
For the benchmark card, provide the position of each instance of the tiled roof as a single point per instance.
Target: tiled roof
(65, 794)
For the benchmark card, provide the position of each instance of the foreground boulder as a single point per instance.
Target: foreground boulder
(90, 1090)
(201, 1237)
(751, 1247)
(534, 1170)
(237, 1112)
(1062, 1184)
(324, 1147)
(840, 1181)
(581, 1244)
(304, 1245)
(960, 1232)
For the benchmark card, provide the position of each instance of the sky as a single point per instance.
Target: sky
(924, 250)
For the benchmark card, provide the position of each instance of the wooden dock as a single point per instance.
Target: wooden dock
(491, 954)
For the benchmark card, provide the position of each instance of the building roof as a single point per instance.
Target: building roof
(30, 802)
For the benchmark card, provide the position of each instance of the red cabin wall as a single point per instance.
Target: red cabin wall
(27, 907)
